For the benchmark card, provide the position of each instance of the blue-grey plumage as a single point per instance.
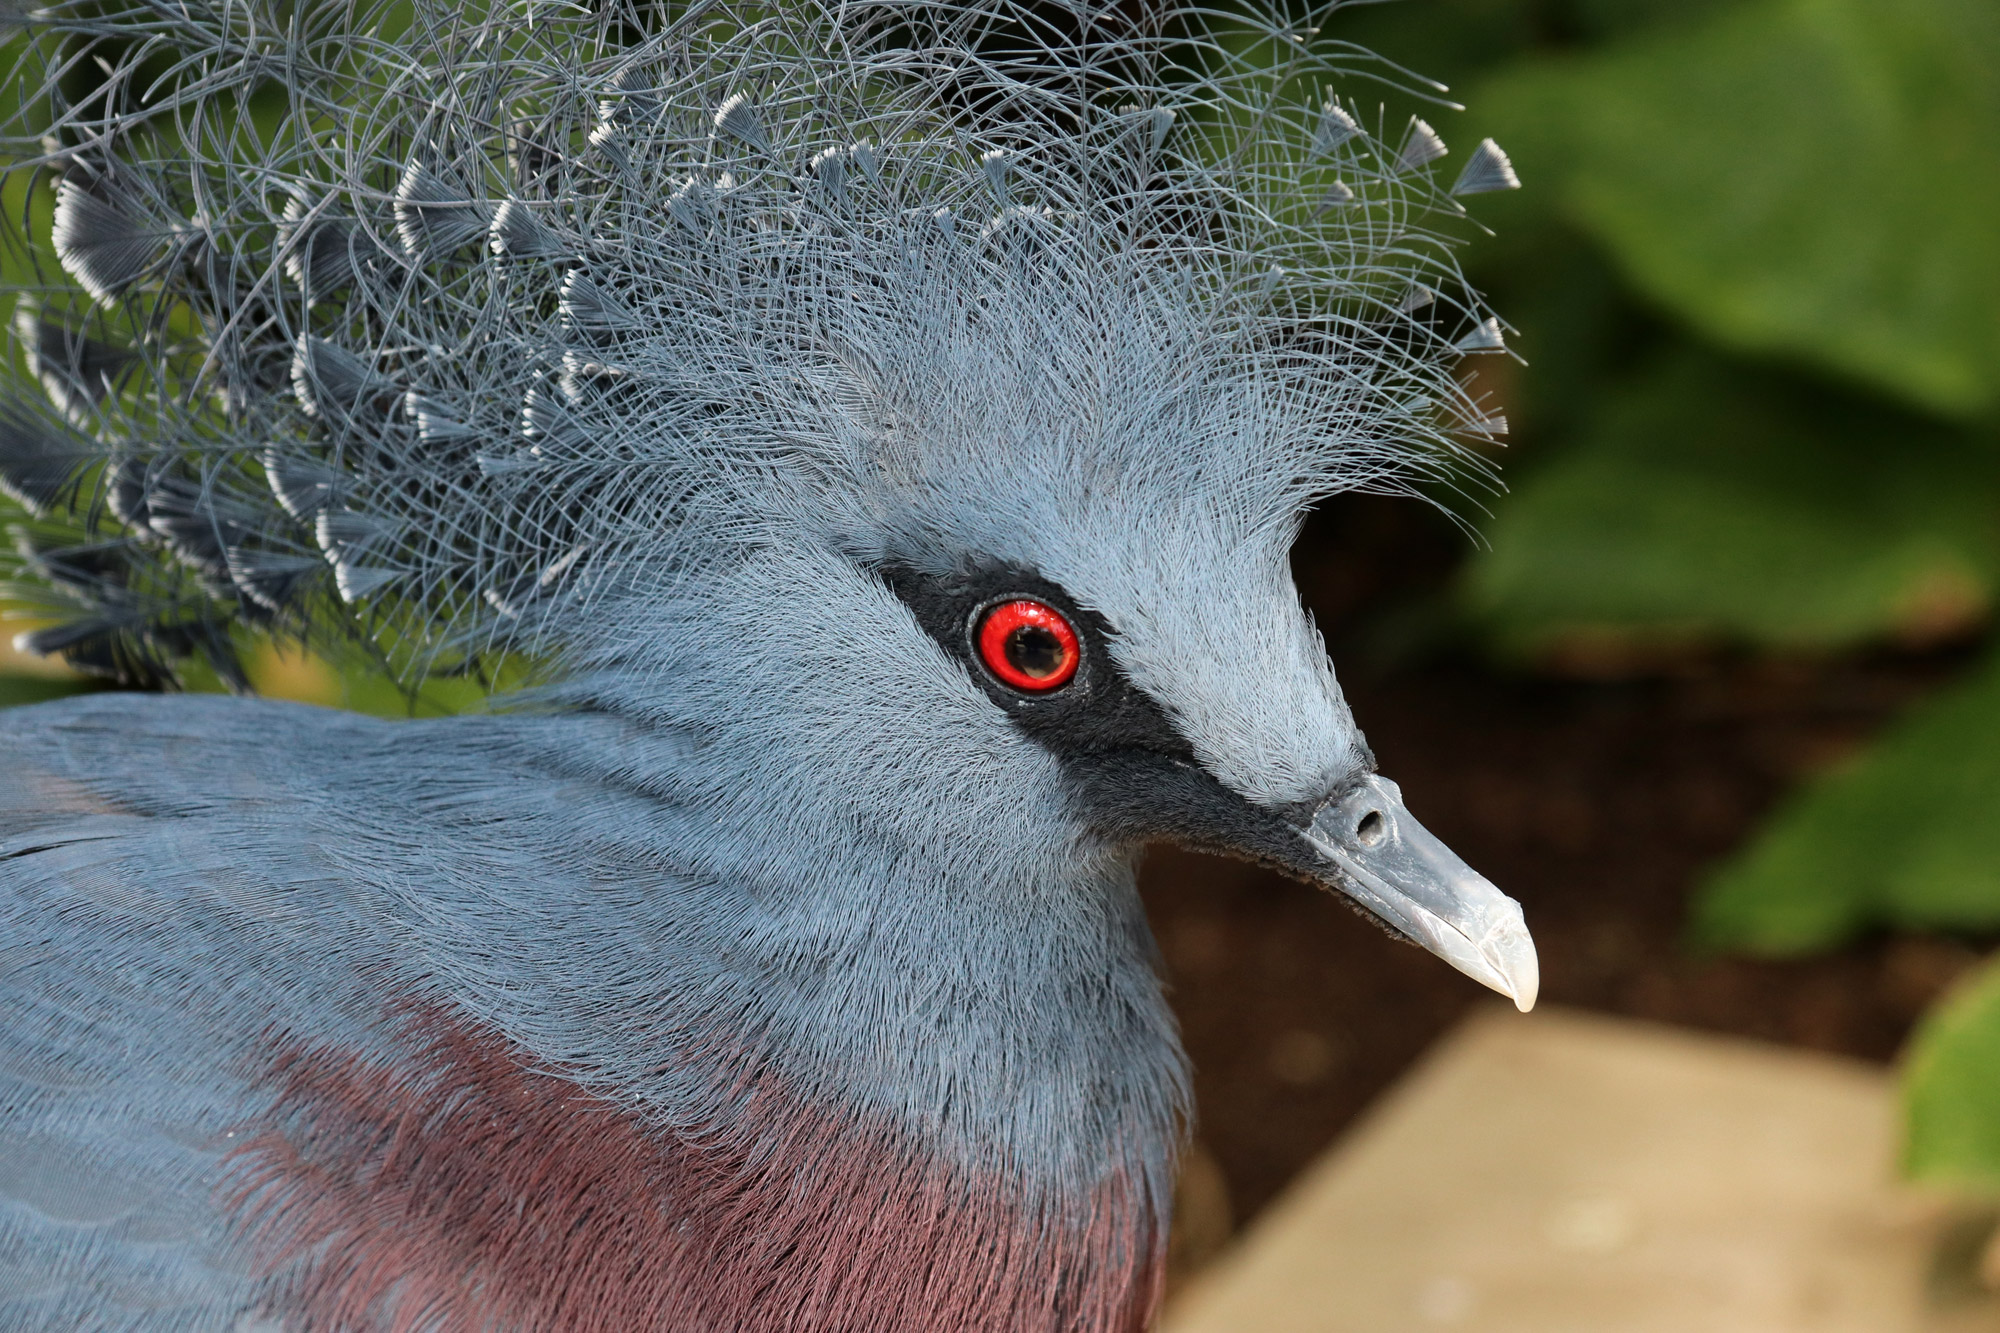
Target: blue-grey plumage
(786, 929)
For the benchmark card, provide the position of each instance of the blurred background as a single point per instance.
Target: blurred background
(1714, 693)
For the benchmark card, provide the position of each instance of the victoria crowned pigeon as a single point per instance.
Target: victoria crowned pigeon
(866, 439)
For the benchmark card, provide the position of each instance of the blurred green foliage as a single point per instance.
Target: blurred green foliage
(1910, 837)
(1714, 499)
(1811, 179)
(18, 688)
(352, 683)
(1951, 1097)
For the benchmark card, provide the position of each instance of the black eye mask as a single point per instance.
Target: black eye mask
(1129, 768)
(1097, 710)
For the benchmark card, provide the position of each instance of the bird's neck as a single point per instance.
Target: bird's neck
(755, 1074)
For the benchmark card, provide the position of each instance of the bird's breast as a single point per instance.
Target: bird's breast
(457, 1187)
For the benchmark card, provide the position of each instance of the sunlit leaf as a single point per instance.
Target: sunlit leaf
(1951, 1094)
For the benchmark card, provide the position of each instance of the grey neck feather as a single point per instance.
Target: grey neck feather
(760, 860)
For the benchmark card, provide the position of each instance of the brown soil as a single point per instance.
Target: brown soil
(1597, 803)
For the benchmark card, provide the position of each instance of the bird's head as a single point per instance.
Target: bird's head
(1184, 695)
(1097, 545)
(1011, 525)
(1036, 600)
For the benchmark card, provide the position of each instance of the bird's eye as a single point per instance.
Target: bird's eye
(1028, 645)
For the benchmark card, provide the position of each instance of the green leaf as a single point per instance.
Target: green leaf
(1910, 837)
(1705, 501)
(1814, 178)
(1951, 1089)
(22, 689)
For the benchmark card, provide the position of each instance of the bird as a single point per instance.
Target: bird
(854, 447)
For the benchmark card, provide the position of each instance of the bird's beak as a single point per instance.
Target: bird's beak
(1394, 867)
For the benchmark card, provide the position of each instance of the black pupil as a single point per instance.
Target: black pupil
(1034, 650)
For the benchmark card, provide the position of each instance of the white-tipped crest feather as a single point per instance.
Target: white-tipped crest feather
(1421, 146)
(1487, 170)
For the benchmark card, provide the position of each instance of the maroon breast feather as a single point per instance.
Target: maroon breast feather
(464, 1190)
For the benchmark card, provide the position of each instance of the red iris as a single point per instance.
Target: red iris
(1028, 645)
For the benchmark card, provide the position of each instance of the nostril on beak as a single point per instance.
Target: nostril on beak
(1371, 828)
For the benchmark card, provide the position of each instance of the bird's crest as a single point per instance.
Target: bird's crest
(437, 327)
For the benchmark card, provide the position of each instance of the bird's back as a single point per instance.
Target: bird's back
(163, 906)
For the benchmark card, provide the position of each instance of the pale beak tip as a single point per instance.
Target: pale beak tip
(1513, 957)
